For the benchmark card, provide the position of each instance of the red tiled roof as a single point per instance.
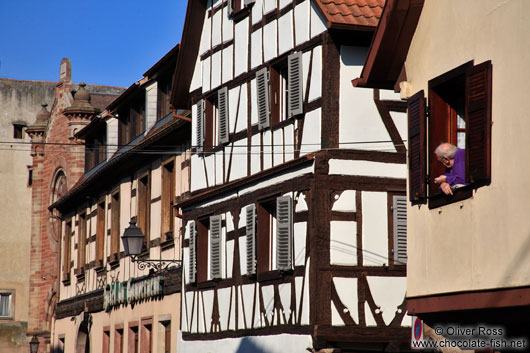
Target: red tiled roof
(346, 13)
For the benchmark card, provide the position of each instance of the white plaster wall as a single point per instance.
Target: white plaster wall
(206, 35)
(256, 55)
(246, 301)
(253, 103)
(257, 11)
(206, 72)
(300, 235)
(112, 136)
(277, 152)
(228, 60)
(216, 69)
(315, 89)
(270, 344)
(241, 47)
(343, 243)
(197, 173)
(242, 119)
(228, 26)
(196, 80)
(366, 168)
(388, 294)
(151, 95)
(301, 204)
(270, 40)
(347, 292)
(285, 296)
(288, 135)
(312, 132)
(269, 5)
(216, 28)
(285, 30)
(375, 228)
(208, 307)
(223, 296)
(209, 169)
(268, 300)
(219, 167)
(283, 3)
(301, 21)
(239, 160)
(318, 24)
(267, 149)
(255, 154)
(345, 202)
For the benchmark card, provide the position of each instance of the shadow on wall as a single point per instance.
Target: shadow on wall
(247, 346)
(57, 350)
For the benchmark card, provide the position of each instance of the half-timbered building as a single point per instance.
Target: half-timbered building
(468, 251)
(295, 227)
(135, 165)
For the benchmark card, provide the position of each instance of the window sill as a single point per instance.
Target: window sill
(66, 280)
(169, 242)
(459, 194)
(113, 261)
(80, 274)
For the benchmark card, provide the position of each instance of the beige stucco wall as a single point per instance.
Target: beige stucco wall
(482, 242)
(167, 308)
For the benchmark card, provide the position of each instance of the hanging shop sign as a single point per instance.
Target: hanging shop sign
(132, 291)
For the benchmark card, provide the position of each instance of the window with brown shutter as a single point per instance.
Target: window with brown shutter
(115, 225)
(100, 233)
(167, 197)
(144, 208)
(67, 250)
(81, 244)
(459, 113)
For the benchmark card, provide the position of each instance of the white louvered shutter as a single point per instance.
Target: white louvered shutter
(199, 121)
(222, 104)
(294, 85)
(230, 7)
(399, 213)
(262, 87)
(192, 252)
(284, 232)
(215, 246)
(251, 239)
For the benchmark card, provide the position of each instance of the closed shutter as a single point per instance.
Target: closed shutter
(199, 120)
(399, 214)
(478, 116)
(192, 252)
(294, 85)
(222, 103)
(251, 239)
(416, 136)
(262, 87)
(215, 246)
(284, 233)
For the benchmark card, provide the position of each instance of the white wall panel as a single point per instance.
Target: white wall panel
(255, 159)
(241, 47)
(208, 307)
(267, 149)
(301, 204)
(257, 11)
(400, 120)
(312, 132)
(206, 74)
(210, 169)
(242, 119)
(253, 103)
(216, 70)
(369, 317)
(216, 29)
(318, 24)
(270, 38)
(343, 243)
(345, 202)
(205, 35)
(268, 301)
(219, 168)
(301, 22)
(189, 303)
(233, 99)
(269, 5)
(151, 95)
(228, 60)
(315, 90)
(347, 292)
(285, 30)
(300, 236)
(367, 168)
(256, 57)
(246, 300)
(229, 258)
(387, 300)
(198, 180)
(285, 297)
(238, 168)
(223, 297)
(375, 228)
(196, 80)
(228, 26)
(284, 3)
(277, 153)
(288, 133)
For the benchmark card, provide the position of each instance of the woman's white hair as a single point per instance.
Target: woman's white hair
(446, 149)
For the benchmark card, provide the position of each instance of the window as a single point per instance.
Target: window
(269, 235)
(147, 336)
(18, 130)
(165, 341)
(100, 232)
(205, 249)
(234, 6)
(460, 113)
(118, 340)
(115, 225)
(67, 250)
(81, 244)
(168, 194)
(212, 121)
(106, 340)
(132, 120)
(133, 338)
(280, 91)
(144, 207)
(95, 148)
(164, 94)
(215, 245)
(7, 304)
(397, 228)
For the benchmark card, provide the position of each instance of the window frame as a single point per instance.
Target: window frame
(12, 297)
(100, 232)
(167, 199)
(82, 231)
(143, 219)
(67, 253)
(115, 226)
(18, 130)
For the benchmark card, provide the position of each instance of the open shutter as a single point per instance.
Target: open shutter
(284, 233)
(230, 7)
(416, 136)
(294, 85)
(215, 246)
(262, 87)
(199, 120)
(192, 252)
(478, 117)
(399, 214)
(222, 104)
(251, 239)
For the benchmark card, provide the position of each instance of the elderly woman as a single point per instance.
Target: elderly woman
(454, 160)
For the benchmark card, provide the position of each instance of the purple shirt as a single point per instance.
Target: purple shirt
(457, 174)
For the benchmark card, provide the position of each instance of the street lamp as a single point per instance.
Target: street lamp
(133, 240)
(34, 344)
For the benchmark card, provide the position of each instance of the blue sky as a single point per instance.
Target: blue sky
(109, 42)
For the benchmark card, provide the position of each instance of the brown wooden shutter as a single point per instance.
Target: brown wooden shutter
(478, 118)
(416, 137)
